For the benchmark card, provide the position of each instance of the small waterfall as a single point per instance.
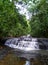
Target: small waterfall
(25, 43)
(27, 47)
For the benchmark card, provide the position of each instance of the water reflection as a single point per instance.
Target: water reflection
(9, 58)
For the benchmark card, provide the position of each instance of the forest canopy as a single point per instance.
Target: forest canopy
(14, 24)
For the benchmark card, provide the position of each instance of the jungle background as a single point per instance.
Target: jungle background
(15, 24)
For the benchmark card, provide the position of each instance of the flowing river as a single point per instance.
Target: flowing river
(7, 57)
(13, 55)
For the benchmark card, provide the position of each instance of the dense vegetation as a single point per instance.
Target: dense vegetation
(39, 20)
(13, 24)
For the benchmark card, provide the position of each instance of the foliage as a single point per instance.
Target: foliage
(11, 22)
(39, 20)
(14, 24)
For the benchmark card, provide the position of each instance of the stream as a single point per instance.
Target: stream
(26, 52)
(9, 57)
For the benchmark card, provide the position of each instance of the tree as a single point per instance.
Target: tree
(11, 22)
(39, 20)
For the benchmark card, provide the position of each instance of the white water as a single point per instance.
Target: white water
(28, 63)
(25, 43)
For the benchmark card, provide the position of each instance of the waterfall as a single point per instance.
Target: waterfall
(26, 43)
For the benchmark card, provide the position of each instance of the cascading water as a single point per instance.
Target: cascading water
(27, 47)
(23, 43)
